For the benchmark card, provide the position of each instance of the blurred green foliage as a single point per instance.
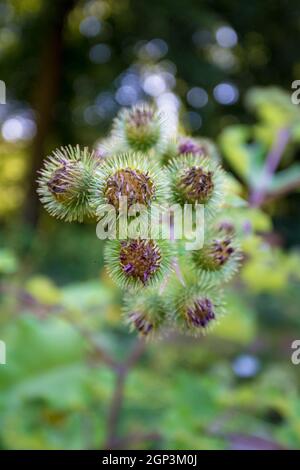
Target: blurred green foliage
(54, 395)
(245, 146)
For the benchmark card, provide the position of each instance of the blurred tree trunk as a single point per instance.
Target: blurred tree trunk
(45, 94)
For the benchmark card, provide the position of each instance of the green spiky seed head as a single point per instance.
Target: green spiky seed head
(195, 180)
(194, 308)
(140, 321)
(140, 259)
(167, 286)
(186, 145)
(200, 312)
(226, 226)
(218, 254)
(136, 185)
(145, 312)
(140, 128)
(138, 263)
(190, 146)
(63, 181)
(219, 258)
(200, 147)
(196, 184)
(64, 184)
(130, 175)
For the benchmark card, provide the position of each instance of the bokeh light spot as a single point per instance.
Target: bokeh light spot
(226, 93)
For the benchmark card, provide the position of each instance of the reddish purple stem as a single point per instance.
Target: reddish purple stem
(272, 161)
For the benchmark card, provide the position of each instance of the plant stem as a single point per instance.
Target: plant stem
(117, 401)
(257, 196)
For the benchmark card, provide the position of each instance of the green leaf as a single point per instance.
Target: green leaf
(285, 178)
(244, 158)
(43, 358)
(8, 262)
(43, 290)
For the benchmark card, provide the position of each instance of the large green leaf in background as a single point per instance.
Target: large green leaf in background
(244, 158)
(44, 370)
(245, 147)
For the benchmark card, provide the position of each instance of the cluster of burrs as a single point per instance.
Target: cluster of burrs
(167, 286)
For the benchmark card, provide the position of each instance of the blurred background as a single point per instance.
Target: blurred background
(226, 69)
